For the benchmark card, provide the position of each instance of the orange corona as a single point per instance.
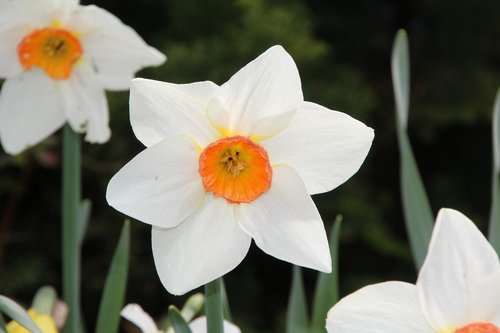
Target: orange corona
(235, 168)
(478, 328)
(51, 49)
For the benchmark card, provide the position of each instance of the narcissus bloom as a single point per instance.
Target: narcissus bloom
(57, 58)
(225, 164)
(136, 315)
(457, 291)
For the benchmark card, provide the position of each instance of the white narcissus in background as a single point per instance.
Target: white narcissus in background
(457, 291)
(228, 164)
(58, 57)
(136, 315)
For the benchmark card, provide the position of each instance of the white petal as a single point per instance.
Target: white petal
(204, 247)
(159, 110)
(459, 257)
(389, 307)
(484, 302)
(325, 147)
(115, 50)
(199, 325)
(266, 90)
(85, 104)
(135, 314)
(30, 110)
(285, 223)
(160, 186)
(9, 39)
(29, 13)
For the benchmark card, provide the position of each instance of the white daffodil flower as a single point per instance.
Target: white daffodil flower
(225, 164)
(136, 315)
(58, 57)
(457, 291)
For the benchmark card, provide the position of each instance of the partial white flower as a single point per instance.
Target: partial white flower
(228, 164)
(457, 291)
(136, 315)
(58, 57)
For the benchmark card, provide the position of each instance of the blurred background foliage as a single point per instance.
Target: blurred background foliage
(342, 50)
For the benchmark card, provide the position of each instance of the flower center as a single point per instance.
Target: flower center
(235, 168)
(51, 49)
(478, 328)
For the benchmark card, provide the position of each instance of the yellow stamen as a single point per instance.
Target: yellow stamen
(235, 168)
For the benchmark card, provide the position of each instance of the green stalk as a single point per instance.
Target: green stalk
(71, 197)
(213, 307)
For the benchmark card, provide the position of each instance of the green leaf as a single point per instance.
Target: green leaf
(114, 290)
(178, 322)
(296, 317)
(2, 324)
(44, 300)
(17, 313)
(326, 293)
(193, 306)
(83, 218)
(494, 229)
(400, 65)
(225, 303)
(416, 208)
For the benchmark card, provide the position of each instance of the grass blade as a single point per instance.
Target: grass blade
(494, 229)
(17, 313)
(114, 289)
(177, 321)
(326, 293)
(296, 320)
(417, 210)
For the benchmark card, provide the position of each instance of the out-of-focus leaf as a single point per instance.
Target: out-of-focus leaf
(296, 318)
(83, 218)
(17, 313)
(417, 210)
(225, 303)
(326, 293)
(178, 322)
(494, 230)
(193, 306)
(114, 290)
(2, 324)
(44, 300)
(400, 64)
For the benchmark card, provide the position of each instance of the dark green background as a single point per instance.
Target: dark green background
(342, 50)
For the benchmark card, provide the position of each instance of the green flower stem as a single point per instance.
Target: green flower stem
(71, 197)
(213, 307)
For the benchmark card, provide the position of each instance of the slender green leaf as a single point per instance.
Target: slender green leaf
(213, 307)
(178, 322)
(400, 64)
(17, 313)
(2, 324)
(44, 300)
(416, 207)
(225, 303)
(296, 317)
(193, 306)
(417, 210)
(326, 293)
(83, 218)
(114, 289)
(494, 230)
